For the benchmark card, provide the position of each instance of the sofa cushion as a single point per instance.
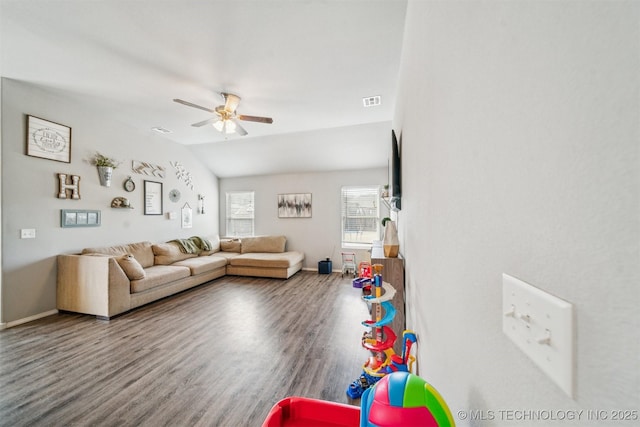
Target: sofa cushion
(230, 245)
(131, 267)
(269, 244)
(202, 264)
(159, 275)
(273, 260)
(215, 244)
(168, 253)
(226, 255)
(141, 251)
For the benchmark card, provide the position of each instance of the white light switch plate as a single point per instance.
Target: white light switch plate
(542, 326)
(28, 233)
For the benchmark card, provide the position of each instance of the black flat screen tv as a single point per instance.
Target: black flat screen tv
(396, 171)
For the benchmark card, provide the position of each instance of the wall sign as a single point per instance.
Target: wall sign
(152, 198)
(48, 140)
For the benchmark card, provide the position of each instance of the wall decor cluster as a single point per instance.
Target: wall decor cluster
(79, 218)
(149, 169)
(48, 140)
(63, 186)
(181, 173)
(152, 198)
(297, 205)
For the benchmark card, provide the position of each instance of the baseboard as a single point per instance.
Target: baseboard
(29, 319)
(316, 270)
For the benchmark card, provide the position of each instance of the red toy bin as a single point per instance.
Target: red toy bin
(303, 412)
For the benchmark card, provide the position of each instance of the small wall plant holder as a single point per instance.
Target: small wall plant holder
(105, 166)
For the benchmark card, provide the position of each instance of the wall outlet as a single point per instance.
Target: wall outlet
(541, 325)
(28, 233)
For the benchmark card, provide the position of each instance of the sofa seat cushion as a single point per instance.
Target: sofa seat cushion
(159, 275)
(226, 255)
(141, 251)
(271, 260)
(202, 264)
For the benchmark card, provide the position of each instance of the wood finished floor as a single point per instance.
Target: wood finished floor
(218, 355)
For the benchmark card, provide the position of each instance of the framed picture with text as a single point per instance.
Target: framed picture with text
(152, 198)
(48, 140)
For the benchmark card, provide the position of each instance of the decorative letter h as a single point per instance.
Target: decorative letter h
(74, 186)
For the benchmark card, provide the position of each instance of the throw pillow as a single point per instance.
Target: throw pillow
(131, 267)
(230, 245)
(168, 253)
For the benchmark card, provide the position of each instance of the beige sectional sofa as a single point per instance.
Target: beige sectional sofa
(107, 281)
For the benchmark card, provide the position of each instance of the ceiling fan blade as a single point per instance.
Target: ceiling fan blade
(205, 122)
(255, 119)
(239, 129)
(189, 104)
(231, 102)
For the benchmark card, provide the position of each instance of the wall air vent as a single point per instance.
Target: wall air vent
(371, 101)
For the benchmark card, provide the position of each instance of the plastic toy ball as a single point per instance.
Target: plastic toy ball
(404, 399)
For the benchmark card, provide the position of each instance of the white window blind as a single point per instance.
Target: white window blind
(240, 213)
(360, 215)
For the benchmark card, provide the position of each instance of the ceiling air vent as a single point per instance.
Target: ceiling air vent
(160, 130)
(371, 101)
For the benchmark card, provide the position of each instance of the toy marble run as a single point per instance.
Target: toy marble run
(381, 338)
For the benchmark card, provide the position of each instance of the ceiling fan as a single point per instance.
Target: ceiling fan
(226, 118)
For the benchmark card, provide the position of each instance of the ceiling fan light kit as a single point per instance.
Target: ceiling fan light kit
(225, 126)
(227, 120)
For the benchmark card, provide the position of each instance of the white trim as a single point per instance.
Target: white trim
(29, 319)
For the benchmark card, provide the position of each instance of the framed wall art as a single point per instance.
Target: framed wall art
(297, 205)
(48, 140)
(152, 198)
(187, 216)
(79, 218)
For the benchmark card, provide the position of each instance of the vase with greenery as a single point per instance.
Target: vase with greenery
(105, 166)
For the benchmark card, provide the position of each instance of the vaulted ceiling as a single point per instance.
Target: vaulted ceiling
(308, 64)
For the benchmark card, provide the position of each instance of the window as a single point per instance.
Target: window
(360, 216)
(240, 210)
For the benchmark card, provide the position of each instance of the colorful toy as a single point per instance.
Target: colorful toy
(348, 263)
(398, 399)
(364, 269)
(360, 282)
(381, 338)
(364, 275)
(404, 399)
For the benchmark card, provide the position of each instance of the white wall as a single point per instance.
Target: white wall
(319, 236)
(519, 129)
(29, 187)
